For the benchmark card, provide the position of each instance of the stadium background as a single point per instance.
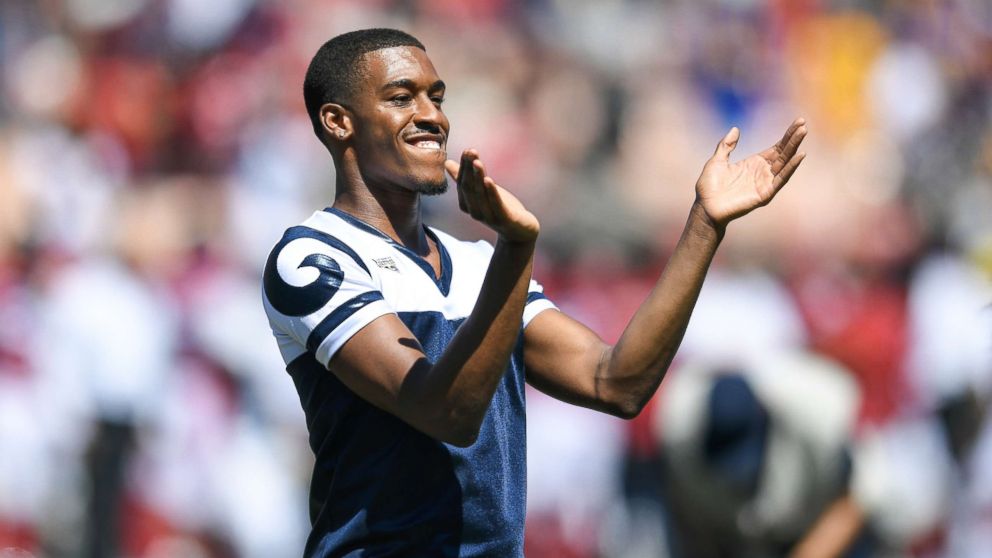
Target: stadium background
(151, 151)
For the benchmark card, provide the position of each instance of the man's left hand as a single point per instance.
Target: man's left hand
(726, 191)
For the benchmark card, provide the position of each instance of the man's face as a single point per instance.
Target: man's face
(400, 133)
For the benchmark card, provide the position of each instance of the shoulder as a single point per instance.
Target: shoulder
(319, 286)
(309, 264)
(321, 233)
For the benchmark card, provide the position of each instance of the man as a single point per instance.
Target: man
(409, 347)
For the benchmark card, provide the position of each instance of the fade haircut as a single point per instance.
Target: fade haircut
(336, 68)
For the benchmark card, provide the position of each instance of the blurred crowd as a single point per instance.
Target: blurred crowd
(834, 384)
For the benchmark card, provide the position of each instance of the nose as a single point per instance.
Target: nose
(429, 115)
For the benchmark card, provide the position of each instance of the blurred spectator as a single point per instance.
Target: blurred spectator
(757, 460)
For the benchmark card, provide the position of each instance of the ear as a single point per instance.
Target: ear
(336, 120)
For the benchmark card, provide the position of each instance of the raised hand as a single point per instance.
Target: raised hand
(487, 202)
(726, 190)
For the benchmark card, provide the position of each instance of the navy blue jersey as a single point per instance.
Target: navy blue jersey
(381, 487)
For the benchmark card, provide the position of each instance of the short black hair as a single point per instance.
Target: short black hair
(335, 68)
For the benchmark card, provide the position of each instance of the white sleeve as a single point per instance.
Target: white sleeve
(537, 302)
(317, 293)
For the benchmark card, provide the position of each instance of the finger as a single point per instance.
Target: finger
(452, 167)
(792, 145)
(727, 144)
(463, 183)
(782, 152)
(464, 169)
(470, 185)
(789, 132)
(480, 193)
(783, 177)
(494, 199)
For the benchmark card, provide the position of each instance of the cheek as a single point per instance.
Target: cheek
(379, 144)
(378, 124)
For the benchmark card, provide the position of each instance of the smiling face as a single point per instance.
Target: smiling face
(400, 133)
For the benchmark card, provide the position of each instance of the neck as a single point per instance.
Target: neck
(394, 211)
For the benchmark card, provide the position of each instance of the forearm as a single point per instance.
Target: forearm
(461, 383)
(570, 362)
(633, 368)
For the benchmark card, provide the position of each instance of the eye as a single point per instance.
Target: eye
(401, 99)
(437, 100)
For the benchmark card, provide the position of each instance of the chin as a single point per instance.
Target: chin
(432, 187)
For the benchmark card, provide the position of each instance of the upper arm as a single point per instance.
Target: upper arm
(565, 359)
(322, 299)
(381, 363)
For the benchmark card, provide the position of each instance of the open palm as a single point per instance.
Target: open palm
(728, 190)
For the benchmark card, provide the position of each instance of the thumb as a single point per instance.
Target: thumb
(727, 144)
(452, 168)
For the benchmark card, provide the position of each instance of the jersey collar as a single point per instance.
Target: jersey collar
(443, 282)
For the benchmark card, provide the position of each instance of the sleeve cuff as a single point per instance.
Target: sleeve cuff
(339, 335)
(536, 306)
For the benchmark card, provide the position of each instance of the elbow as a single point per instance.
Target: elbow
(620, 408)
(626, 400)
(622, 400)
(627, 407)
(459, 430)
(461, 439)
(456, 433)
(628, 410)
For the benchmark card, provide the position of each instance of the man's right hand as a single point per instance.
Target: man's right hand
(490, 204)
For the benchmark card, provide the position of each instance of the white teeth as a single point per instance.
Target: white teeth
(428, 144)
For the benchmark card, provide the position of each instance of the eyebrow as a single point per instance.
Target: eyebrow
(409, 84)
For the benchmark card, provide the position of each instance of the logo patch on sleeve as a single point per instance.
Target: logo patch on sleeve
(386, 263)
